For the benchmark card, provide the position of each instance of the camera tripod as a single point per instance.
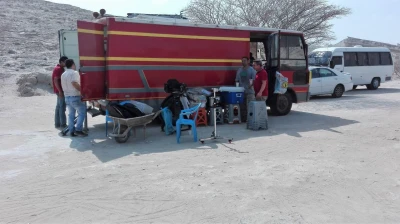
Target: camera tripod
(214, 135)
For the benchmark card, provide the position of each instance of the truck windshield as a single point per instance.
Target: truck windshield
(319, 58)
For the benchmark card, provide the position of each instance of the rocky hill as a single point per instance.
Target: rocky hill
(29, 43)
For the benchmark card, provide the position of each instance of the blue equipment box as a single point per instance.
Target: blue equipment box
(232, 97)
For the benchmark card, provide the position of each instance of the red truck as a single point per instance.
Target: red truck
(129, 58)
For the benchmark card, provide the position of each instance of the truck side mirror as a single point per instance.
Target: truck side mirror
(331, 65)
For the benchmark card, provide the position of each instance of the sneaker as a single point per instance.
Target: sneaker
(73, 134)
(80, 133)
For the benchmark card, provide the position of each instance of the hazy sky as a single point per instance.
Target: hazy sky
(371, 19)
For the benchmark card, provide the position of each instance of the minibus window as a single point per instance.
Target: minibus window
(362, 59)
(386, 59)
(337, 60)
(350, 59)
(373, 58)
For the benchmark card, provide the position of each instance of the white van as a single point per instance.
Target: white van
(368, 66)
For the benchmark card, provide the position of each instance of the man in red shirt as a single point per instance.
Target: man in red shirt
(60, 120)
(260, 82)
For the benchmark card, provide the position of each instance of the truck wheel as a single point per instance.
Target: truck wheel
(282, 105)
(354, 87)
(375, 83)
(338, 91)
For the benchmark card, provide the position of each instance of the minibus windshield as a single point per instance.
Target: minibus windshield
(319, 58)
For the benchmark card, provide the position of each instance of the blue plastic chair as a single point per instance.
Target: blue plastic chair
(184, 121)
(167, 117)
(108, 119)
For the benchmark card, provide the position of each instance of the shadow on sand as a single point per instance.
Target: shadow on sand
(329, 97)
(106, 149)
(378, 91)
(356, 94)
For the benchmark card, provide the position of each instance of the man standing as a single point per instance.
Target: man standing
(70, 82)
(245, 76)
(261, 82)
(251, 58)
(59, 118)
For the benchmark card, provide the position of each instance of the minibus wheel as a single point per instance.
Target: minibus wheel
(375, 83)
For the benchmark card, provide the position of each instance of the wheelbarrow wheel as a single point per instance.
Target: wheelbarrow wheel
(125, 138)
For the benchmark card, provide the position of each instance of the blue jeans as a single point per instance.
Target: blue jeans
(75, 105)
(60, 118)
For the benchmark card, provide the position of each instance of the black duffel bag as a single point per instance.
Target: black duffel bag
(127, 110)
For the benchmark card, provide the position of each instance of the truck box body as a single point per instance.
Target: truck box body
(125, 58)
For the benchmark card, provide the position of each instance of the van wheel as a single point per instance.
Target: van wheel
(282, 105)
(338, 91)
(355, 87)
(375, 83)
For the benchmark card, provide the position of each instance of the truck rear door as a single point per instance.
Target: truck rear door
(273, 59)
(92, 60)
(68, 43)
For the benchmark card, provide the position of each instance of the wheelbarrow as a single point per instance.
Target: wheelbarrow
(123, 126)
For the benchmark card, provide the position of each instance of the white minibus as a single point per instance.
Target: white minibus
(368, 66)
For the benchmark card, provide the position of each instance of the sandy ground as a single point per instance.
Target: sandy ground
(330, 160)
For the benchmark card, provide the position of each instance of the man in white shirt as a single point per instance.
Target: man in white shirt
(70, 83)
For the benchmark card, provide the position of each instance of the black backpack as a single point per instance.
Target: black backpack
(174, 85)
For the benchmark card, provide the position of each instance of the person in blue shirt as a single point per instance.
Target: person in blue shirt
(245, 77)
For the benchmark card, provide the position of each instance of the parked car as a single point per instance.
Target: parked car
(329, 81)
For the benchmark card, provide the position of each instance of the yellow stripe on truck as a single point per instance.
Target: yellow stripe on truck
(91, 31)
(195, 60)
(179, 36)
(85, 58)
(173, 59)
(163, 35)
